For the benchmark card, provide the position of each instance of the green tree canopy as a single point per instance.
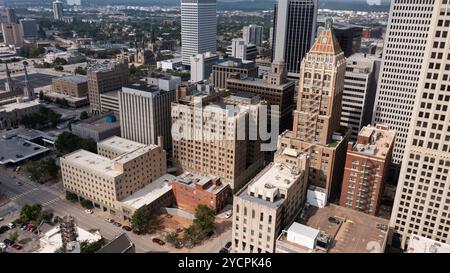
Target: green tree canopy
(68, 142)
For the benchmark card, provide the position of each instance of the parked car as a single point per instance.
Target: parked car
(179, 245)
(7, 242)
(179, 230)
(333, 220)
(19, 183)
(11, 225)
(3, 229)
(23, 226)
(158, 241)
(17, 246)
(228, 215)
(223, 250)
(117, 224)
(228, 245)
(127, 228)
(88, 211)
(109, 220)
(1, 219)
(137, 232)
(30, 228)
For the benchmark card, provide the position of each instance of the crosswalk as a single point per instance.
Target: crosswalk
(12, 198)
(51, 202)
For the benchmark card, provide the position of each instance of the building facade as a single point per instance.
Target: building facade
(406, 39)
(201, 66)
(11, 34)
(294, 32)
(366, 169)
(28, 28)
(422, 200)
(226, 69)
(74, 86)
(198, 28)
(145, 114)
(241, 50)
(253, 34)
(58, 10)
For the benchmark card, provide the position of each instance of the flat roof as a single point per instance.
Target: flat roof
(121, 145)
(18, 105)
(73, 79)
(420, 244)
(380, 141)
(303, 230)
(193, 179)
(16, 149)
(99, 124)
(113, 94)
(357, 232)
(149, 193)
(102, 165)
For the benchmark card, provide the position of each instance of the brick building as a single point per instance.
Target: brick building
(74, 86)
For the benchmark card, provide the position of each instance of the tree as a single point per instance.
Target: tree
(59, 68)
(204, 218)
(41, 95)
(30, 213)
(68, 142)
(141, 219)
(84, 115)
(172, 238)
(80, 70)
(87, 247)
(71, 196)
(87, 204)
(43, 170)
(13, 236)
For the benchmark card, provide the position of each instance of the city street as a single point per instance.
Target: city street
(52, 198)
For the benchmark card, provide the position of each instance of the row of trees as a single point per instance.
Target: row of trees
(43, 170)
(67, 142)
(44, 117)
(34, 213)
(62, 102)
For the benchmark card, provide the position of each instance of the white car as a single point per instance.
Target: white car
(228, 215)
(1, 219)
(88, 211)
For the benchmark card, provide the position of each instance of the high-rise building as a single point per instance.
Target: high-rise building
(11, 15)
(267, 204)
(253, 34)
(211, 134)
(145, 114)
(121, 168)
(28, 28)
(198, 28)
(422, 201)
(11, 34)
(276, 89)
(316, 126)
(58, 10)
(360, 86)
(201, 66)
(403, 55)
(366, 168)
(294, 32)
(241, 50)
(348, 36)
(105, 77)
(74, 2)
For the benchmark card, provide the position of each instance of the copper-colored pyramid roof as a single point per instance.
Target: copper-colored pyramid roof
(326, 43)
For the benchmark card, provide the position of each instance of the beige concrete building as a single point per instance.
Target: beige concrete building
(11, 34)
(110, 101)
(145, 114)
(104, 77)
(73, 86)
(267, 204)
(120, 168)
(226, 69)
(207, 135)
(422, 201)
(316, 127)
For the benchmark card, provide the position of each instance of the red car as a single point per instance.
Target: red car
(158, 241)
(137, 232)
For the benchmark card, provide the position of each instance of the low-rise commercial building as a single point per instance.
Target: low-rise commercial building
(98, 127)
(11, 114)
(191, 190)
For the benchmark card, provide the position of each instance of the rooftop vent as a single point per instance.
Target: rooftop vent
(268, 186)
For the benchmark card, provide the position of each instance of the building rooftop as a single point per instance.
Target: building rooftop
(112, 94)
(18, 105)
(260, 82)
(99, 123)
(149, 193)
(100, 164)
(419, 244)
(72, 79)
(375, 141)
(52, 241)
(122, 145)
(350, 231)
(16, 149)
(237, 63)
(120, 244)
(102, 66)
(193, 180)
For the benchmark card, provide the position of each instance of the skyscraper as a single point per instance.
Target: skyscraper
(294, 32)
(422, 202)
(11, 34)
(57, 10)
(253, 34)
(11, 15)
(28, 27)
(198, 28)
(406, 38)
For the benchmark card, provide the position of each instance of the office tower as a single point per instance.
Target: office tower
(11, 15)
(198, 28)
(316, 126)
(366, 169)
(201, 66)
(11, 34)
(120, 168)
(241, 50)
(145, 114)
(207, 129)
(403, 55)
(57, 10)
(275, 88)
(267, 204)
(348, 36)
(253, 34)
(105, 77)
(360, 88)
(28, 28)
(229, 67)
(294, 32)
(422, 201)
